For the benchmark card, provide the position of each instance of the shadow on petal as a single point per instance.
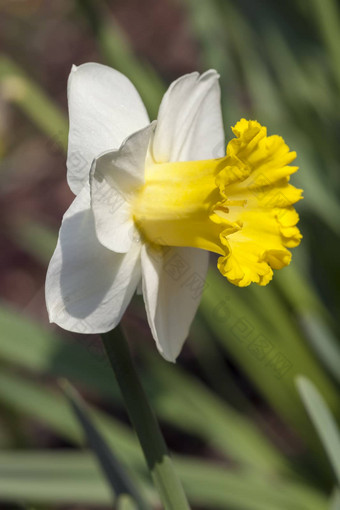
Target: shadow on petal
(95, 284)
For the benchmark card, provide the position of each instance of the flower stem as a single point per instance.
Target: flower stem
(145, 423)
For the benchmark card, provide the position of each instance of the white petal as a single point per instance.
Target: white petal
(173, 281)
(189, 124)
(115, 177)
(88, 287)
(104, 108)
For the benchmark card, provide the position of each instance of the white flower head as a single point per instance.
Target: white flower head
(154, 198)
(102, 256)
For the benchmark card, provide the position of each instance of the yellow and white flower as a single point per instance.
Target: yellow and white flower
(150, 193)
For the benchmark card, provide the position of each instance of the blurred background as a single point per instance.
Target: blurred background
(229, 409)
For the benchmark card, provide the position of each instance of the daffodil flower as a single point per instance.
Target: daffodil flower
(154, 198)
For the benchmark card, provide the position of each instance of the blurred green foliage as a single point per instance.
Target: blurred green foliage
(279, 63)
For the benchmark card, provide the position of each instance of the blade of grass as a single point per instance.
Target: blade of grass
(126, 503)
(268, 359)
(311, 315)
(289, 69)
(225, 429)
(118, 478)
(51, 354)
(322, 419)
(36, 239)
(20, 90)
(335, 500)
(327, 19)
(45, 405)
(268, 106)
(209, 356)
(209, 486)
(323, 342)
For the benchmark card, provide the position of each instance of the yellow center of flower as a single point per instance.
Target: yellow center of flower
(239, 206)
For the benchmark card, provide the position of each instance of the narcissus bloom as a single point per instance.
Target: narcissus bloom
(154, 199)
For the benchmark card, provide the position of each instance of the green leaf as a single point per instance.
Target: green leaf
(204, 483)
(186, 402)
(268, 355)
(35, 238)
(335, 500)
(50, 353)
(126, 503)
(323, 421)
(327, 19)
(47, 406)
(72, 477)
(323, 342)
(81, 362)
(120, 481)
(19, 89)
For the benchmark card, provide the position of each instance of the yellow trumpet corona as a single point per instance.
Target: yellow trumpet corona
(239, 206)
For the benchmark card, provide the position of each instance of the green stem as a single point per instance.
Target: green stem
(145, 423)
